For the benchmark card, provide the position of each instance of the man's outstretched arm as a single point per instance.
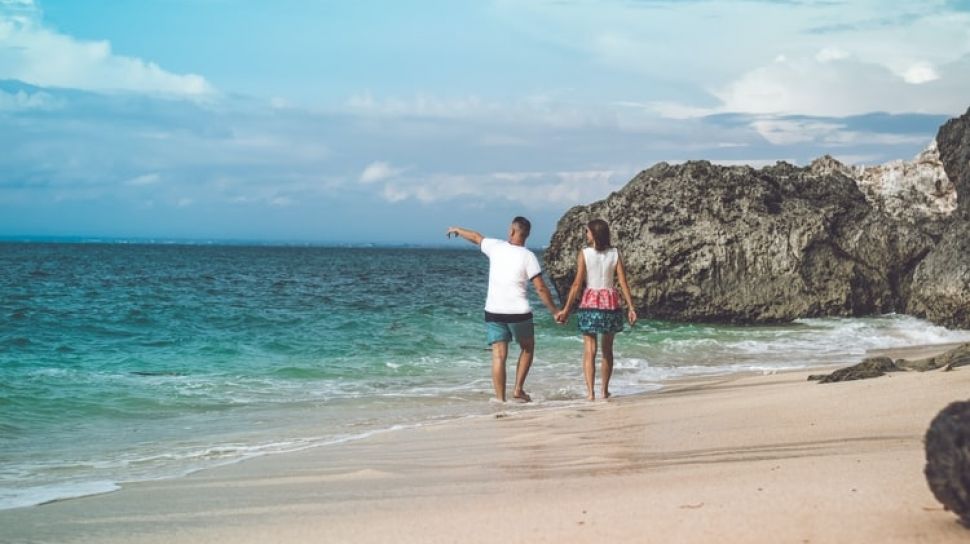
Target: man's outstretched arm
(469, 235)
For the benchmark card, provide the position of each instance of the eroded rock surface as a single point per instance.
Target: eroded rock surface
(703, 242)
(947, 468)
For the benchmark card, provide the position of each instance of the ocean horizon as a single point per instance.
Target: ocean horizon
(124, 362)
(230, 242)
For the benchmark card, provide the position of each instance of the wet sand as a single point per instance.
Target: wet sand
(733, 459)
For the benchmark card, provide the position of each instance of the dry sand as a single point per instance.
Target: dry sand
(738, 459)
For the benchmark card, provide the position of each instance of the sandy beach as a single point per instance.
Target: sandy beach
(769, 459)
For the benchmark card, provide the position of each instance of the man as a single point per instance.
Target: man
(508, 314)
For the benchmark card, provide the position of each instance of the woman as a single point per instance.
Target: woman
(599, 309)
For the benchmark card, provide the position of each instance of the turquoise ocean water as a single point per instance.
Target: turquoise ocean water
(127, 362)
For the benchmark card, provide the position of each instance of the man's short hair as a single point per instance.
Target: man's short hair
(523, 225)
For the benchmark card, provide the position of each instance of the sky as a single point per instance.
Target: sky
(388, 121)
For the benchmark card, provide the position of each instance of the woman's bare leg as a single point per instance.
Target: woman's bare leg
(606, 368)
(589, 363)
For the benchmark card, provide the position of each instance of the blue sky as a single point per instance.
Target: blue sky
(386, 122)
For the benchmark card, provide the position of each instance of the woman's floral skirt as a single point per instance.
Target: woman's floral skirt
(593, 321)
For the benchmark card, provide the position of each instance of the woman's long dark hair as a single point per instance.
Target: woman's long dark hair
(601, 234)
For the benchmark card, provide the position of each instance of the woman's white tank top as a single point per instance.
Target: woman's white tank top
(600, 267)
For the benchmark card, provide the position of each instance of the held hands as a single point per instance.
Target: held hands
(562, 316)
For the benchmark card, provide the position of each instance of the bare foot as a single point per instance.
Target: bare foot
(591, 396)
(521, 396)
(606, 394)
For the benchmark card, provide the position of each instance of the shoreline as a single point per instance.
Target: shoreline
(757, 458)
(84, 489)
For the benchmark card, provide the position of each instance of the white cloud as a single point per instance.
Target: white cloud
(547, 110)
(278, 194)
(281, 201)
(143, 180)
(18, 10)
(803, 131)
(789, 132)
(830, 53)
(671, 110)
(921, 72)
(421, 105)
(394, 194)
(854, 138)
(803, 58)
(805, 86)
(502, 140)
(21, 7)
(378, 171)
(534, 190)
(36, 54)
(262, 143)
(22, 100)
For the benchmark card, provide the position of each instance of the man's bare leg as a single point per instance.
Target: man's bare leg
(500, 351)
(589, 364)
(522, 369)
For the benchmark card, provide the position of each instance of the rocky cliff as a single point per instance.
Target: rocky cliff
(941, 282)
(703, 242)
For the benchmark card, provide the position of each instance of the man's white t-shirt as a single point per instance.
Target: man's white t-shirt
(510, 270)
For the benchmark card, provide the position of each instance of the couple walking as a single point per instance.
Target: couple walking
(508, 314)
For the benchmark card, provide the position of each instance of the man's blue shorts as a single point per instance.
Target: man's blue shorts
(504, 332)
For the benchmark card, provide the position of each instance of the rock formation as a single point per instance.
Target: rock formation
(953, 141)
(941, 281)
(873, 367)
(948, 459)
(703, 242)
(958, 356)
(910, 191)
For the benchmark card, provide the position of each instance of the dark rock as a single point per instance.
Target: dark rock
(956, 357)
(871, 367)
(712, 243)
(941, 282)
(733, 244)
(953, 142)
(948, 459)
